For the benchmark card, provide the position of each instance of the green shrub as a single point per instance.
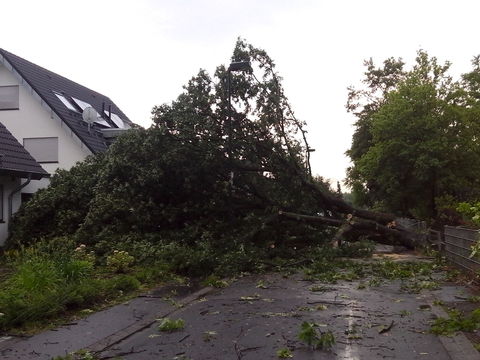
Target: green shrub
(59, 209)
(81, 253)
(152, 273)
(36, 275)
(120, 261)
(471, 211)
(74, 270)
(85, 292)
(124, 283)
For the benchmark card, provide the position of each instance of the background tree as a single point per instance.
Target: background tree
(416, 141)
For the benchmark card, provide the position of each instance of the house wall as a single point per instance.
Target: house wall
(35, 120)
(9, 184)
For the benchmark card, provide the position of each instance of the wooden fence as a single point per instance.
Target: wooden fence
(457, 246)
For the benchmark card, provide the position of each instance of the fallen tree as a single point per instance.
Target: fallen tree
(225, 166)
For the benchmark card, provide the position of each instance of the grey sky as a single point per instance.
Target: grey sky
(141, 52)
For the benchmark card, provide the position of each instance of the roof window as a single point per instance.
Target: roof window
(102, 122)
(81, 104)
(117, 120)
(65, 102)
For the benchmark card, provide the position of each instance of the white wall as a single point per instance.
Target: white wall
(34, 120)
(9, 184)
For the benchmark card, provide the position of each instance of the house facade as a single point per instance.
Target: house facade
(57, 121)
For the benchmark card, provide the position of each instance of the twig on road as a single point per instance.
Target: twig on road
(183, 338)
(328, 302)
(386, 329)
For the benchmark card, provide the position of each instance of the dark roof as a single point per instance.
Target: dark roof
(45, 83)
(15, 160)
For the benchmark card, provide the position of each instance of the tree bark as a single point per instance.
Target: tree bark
(392, 236)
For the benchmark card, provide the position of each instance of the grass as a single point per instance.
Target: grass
(43, 289)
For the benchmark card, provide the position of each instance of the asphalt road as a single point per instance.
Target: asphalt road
(255, 317)
(245, 321)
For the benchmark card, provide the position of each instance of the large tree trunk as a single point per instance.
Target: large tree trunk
(338, 205)
(391, 233)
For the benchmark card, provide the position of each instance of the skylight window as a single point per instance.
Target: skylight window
(65, 102)
(81, 104)
(118, 121)
(102, 122)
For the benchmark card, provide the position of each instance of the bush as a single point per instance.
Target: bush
(152, 273)
(59, 209)
(124, 283)
(84, 293)
(75, 270)
(119, 261)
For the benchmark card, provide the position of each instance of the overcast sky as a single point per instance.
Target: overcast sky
(141, 52)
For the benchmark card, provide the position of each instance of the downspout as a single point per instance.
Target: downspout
(10, 197)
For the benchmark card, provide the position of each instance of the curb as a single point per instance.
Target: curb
(134, 328)
(457, 346)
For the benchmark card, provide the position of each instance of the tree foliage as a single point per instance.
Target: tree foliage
(416, 137)
(212, 185)
(184, 179)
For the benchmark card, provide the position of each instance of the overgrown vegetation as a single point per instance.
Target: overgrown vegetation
(53, 278)
(197, 190)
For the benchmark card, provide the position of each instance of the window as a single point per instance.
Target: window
(65, 102)
(9, 97)
(118, 121)
(44, 150)
(82, 104)
(102, 122)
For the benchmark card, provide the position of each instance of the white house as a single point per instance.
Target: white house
(58, 121)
